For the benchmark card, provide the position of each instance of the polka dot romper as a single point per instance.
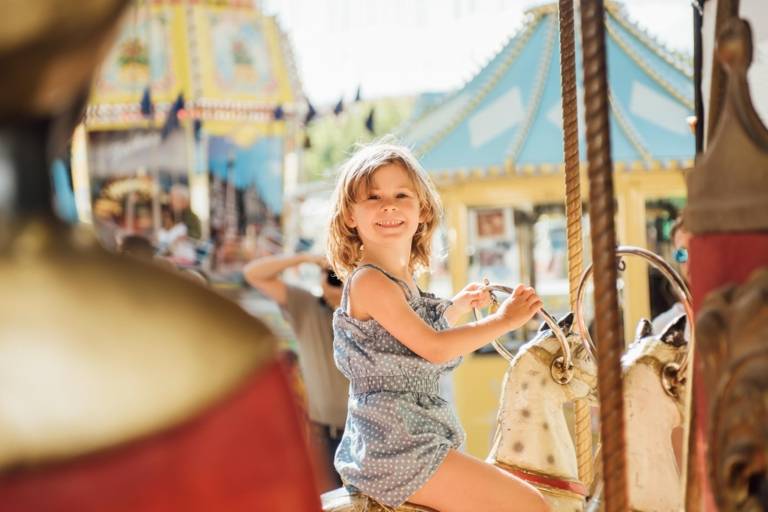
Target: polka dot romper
(398, 429)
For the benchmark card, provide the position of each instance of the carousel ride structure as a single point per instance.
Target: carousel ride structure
(203, 94)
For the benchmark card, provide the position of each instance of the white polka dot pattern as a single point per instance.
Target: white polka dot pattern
(398, 429)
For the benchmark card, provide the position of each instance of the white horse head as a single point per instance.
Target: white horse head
(532, 438)
(653, 407)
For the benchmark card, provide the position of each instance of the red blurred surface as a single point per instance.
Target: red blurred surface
(247, 452)
(715, 261)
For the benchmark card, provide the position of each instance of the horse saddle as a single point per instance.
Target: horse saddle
(343, 500)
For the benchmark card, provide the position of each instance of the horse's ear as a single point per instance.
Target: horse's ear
(566, 322)
(674, 333)
(644, 329)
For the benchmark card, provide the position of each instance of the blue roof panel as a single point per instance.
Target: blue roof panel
(545, 137)
(511, 109)
(484, 135)
(681, 82)
(658, 119)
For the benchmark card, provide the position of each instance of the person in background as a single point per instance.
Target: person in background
(173, 240)
(180, 207)
(138, 247)
(680, 239)
(311, 318)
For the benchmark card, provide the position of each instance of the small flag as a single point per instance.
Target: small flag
(357, 94)
(311, 113)
(172, 121)
(278, 113)
(369, 122)
(339, 108)
(147, 108)
(307, 141)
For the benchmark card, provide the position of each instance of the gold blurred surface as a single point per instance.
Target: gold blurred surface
(49, 51)
(98, 350)
(24, 22)
(341, 500)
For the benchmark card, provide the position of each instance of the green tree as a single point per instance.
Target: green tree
(333, 137)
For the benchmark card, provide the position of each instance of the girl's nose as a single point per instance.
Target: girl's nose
(389, 206)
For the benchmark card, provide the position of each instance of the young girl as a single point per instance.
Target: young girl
(392, 342)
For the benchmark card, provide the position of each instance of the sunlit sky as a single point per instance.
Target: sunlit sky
(405, 47)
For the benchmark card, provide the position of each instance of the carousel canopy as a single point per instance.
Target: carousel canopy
(230, 63)
(193, 86)
(508, 118)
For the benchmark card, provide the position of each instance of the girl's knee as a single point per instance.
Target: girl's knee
(540, 504)
(534, 502)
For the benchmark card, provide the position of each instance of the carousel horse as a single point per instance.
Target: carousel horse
(653, 371)
(547, 457)
(653, 408)
(532, 439)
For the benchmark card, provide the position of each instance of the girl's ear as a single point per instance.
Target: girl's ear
(350, 222)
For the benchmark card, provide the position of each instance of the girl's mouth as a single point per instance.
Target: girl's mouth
(390, 223)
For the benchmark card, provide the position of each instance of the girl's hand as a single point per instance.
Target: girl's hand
(471, 296)
(519, 307)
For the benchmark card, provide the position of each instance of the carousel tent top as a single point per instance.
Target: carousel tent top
(231, 63)
(507, 118)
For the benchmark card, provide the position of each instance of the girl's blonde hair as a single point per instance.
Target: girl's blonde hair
(344, 244)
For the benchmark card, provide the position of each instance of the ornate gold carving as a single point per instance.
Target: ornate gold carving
(728, 189)
(733, 339)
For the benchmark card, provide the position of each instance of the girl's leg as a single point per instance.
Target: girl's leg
(464, 483)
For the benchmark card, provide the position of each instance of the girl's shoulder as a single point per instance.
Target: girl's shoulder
(366, 289)
(370, 280)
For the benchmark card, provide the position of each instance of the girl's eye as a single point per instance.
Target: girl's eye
(401, 195)
(373, 197)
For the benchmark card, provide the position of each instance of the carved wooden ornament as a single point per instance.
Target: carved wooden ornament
(728, 188)
(733, 349)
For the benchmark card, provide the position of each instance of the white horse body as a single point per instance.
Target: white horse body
(650, 416)
(532, 439)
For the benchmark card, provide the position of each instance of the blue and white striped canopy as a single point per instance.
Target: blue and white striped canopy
(508, 116)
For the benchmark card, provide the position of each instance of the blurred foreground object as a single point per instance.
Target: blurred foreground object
(122, 386)
(727, 215)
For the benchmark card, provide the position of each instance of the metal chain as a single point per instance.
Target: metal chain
(603, 233)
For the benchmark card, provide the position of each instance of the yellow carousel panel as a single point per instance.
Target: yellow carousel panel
(244, 134)
(150, 51)
(240, 56)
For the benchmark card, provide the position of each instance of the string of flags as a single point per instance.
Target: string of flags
(172, 121)
(147, 109)
(338, 110)
(146, 105)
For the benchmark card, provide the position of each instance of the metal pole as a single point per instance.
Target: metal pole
(583, 420)
(603, 234)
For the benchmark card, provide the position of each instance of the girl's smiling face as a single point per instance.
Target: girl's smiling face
(388, 209)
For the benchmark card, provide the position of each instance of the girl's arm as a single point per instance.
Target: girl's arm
(373, 295)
